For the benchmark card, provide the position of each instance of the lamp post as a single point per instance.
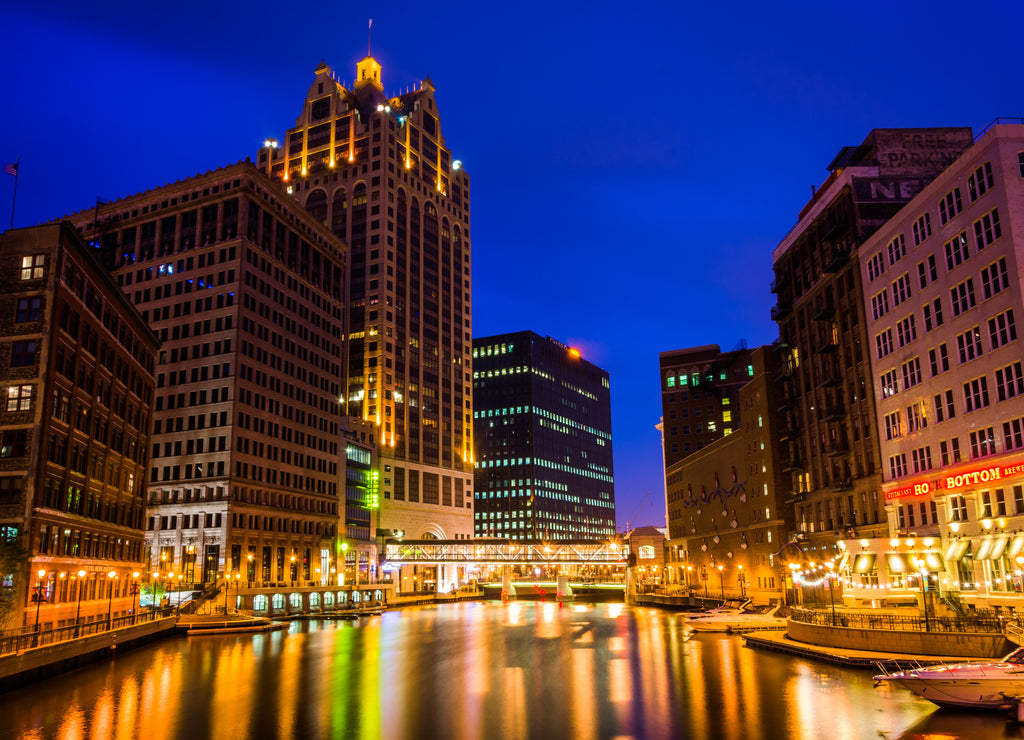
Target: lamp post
(38, 597)
(249, 570)
(704, 577)
(135, 593)
(721, 579)
(742, 578)
(78, 612)
(831, 595)
(923, 575)
(180, 576)
(293, 573)
(154, 589)
(689, 580)
(110, 598)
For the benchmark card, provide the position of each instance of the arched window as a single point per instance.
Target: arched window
(295, 601)
(316, 204)
(259, 603)
(328, 600)
(314, 599)
(277, 602)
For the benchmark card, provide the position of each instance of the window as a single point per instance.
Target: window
(944, 408)
(911, 373)
(987, 229)
(956, 250)
(962, 296)
(921, 459)
(922, 228)
(983, 443)
(883, 343)
(1020, 161)
(898, 465)
(927, 271)
(994, 278)
(1009, 382)
(1013, 434)
(980, 182)
(897, 249)
(890, 386)
(880, 304)
(949, 206)
(1002, 329)
(900, 289)
(938, 359)
(23, 353)
(968, 344)
(933, 314)
(906, 332)
(958, 508)
(976, 394)
(876, 266)
(19, 398)
(33, 266)
(893, 428)
(949, 451)
(28, 310)
(916, 417)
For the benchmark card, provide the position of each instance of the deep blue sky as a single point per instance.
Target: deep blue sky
(633, 165)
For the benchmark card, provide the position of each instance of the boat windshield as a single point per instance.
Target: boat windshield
(1017, 656)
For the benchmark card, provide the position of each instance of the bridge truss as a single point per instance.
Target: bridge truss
(503, 552)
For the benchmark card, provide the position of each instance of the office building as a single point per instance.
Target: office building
(832, 450)
(77, 366)
(699, 387)
(544, 441)
(729, 509)
(245, 291)
(375, 169)
(943, 283)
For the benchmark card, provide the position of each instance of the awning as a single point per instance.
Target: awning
(956, 549)
(897, 563)
(865, 563)
(933, 562)
(1016, 545)
(992, 548)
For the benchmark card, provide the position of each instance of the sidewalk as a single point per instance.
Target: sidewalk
(782, 643)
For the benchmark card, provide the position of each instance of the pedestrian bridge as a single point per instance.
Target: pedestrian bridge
(504, 552)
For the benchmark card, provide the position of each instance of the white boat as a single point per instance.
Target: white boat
(739, 607)
(743, 622)
(982, 685)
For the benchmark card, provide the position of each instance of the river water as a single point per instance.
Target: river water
(488, 670)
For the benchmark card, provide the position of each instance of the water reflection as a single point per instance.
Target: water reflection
(485, 670)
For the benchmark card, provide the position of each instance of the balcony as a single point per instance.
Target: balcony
(829, 379)
(835, 258)
(825, 313)
(791, 432)
(843, 485)
(786, 402)
(792, 464)
(781, 309)
(837, 448)
(825, 346)
(779, 283)
(834, 412)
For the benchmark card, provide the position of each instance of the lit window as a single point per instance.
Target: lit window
(32, 266)
(19, 398)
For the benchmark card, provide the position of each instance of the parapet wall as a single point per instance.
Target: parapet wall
(966, 644)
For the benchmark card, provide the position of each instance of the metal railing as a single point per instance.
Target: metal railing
(16, 642)
(901, 622)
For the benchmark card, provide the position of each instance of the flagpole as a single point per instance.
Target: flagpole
(17, 170)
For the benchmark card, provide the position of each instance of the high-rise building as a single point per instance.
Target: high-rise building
(699, 387)
(77, 370)
(376, 170)
(544, 441)
(943, 280)
(245, 291)
(832, 450)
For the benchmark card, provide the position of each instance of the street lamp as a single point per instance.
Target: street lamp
(721, 579)
(38, 596)
(742, 578)
(689, 579)
(293, 571)
(923, 575)
(180, 576)
(110, 598)
(249, 572)
(78, 613)
(135, 593)
(831, 595)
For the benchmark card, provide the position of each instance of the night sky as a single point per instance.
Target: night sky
(632, 165)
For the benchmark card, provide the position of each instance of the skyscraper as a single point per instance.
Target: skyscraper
(375, 169)
(544, 435)
(244, 290)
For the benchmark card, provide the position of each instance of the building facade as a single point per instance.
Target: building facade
(78, 372)
(831, 448)
(943, 283)
(699, 388)
(245, 290)
(375, 169)
(544, 441)
(729, 511)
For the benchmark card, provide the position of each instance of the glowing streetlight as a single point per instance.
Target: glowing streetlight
(721, 579)
(38, 596)
(110, 597)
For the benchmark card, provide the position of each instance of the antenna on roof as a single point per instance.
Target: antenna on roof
(368, 37)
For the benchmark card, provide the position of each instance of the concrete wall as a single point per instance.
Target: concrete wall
(965, 644)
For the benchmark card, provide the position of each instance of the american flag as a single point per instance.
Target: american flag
(11, 169)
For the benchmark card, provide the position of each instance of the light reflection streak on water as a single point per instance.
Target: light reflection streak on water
(583, 705)
(748, 690)
(129, 709)
(697, 706)
(727, 691)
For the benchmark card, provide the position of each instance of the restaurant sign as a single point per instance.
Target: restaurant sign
(965, 479)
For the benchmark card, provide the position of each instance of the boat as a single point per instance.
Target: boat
(742, 622)
(728, 607)
(975, 684)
